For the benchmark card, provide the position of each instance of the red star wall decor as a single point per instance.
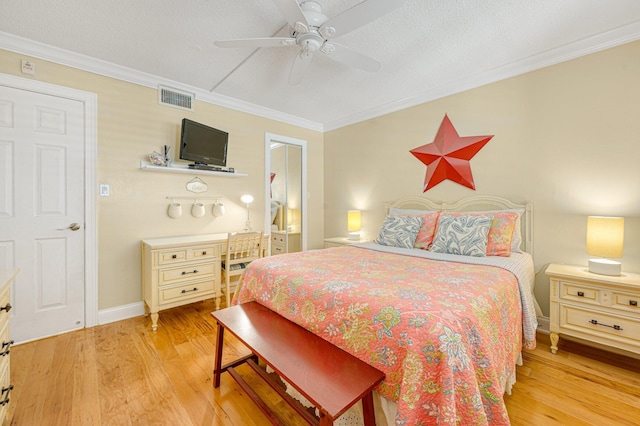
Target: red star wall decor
(447, 157)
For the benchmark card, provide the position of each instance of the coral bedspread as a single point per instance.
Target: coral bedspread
(446, 334)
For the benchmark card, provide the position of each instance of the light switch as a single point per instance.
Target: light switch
(104, 190)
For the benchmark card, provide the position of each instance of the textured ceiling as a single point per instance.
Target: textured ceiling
(428, 48)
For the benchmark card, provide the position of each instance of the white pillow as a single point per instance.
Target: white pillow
(464, 235)
(399, 231)
(408, 212)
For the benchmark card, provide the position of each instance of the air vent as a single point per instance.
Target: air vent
(175, 98)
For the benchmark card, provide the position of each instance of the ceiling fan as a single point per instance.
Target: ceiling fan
(313, 32)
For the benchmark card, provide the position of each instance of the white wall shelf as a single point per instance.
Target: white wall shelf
(184, 168)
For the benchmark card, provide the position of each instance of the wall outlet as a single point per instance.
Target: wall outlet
(104, 190)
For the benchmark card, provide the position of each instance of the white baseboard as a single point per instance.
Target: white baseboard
(105, 316)
(543, 325)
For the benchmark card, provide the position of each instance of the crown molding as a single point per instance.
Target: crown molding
(64, 57)
(583, 47)
(586, 46)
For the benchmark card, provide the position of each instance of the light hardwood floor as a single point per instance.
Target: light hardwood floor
(125, 374)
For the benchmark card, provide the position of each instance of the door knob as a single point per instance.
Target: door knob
(74, 227)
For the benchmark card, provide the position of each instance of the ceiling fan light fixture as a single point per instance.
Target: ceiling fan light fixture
(327, 32)
(328, 48)
(301, 28)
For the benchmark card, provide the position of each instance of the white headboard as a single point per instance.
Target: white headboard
(475, 203)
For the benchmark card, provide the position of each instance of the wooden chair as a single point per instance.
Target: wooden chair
(242, 249)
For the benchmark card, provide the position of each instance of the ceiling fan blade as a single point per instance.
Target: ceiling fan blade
(359, 15)
(291, 11)
(299, 67)
(257, 42)
(350, 57)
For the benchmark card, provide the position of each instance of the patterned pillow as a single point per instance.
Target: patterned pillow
(399, 231)
(501, 231)
(465, 235)
(428, 228)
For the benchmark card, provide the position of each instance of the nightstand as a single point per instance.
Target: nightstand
(596, 308)
(285, 242)
(340, 241)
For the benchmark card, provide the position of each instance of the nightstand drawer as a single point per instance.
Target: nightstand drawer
(277, 249)
(579, 292)
(278, 238)
(626, 302)
(602, 324)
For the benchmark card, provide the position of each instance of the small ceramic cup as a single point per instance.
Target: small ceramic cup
(175, 210)
(218, 209)
(197, 210)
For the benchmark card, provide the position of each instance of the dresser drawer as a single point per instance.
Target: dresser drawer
(5, 345)
(187, 291)
(6, 388)
(278, 238)
(5, 298)
(172, 256)
(599, 323)
(168, 257)
(187, 273)
(277, 249)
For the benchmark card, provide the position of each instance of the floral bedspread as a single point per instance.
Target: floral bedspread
(446, 334)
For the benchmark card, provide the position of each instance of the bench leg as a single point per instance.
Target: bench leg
(367, 409)
(325, 421)
(217, 369)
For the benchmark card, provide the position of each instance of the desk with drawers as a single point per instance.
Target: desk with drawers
(180, 270)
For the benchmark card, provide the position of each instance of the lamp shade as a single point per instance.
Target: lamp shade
(605, 236)
(247, 198)
(353, 220)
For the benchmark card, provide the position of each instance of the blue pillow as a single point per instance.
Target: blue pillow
(399, 231)
(464, 235)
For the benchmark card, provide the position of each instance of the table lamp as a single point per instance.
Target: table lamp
(353, 224)
(605, 239)
(247, 199)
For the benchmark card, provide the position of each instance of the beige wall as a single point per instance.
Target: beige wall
(131, 124)
(567, 137)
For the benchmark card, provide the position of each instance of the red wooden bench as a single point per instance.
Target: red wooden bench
(330, 378)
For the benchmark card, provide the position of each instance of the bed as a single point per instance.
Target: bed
(447, 329)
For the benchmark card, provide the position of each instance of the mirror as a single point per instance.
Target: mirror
(286, 184)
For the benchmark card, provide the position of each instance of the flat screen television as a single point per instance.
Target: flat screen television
(203, 144)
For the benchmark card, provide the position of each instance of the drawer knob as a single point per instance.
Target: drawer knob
(8, 389)
(195, 271)
(175, 256)
(187, 291)
(633, 302)
(204, 253)
(614, 326)
(6, 307)
(581, 293)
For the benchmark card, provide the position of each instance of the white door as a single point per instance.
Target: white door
(42, 210)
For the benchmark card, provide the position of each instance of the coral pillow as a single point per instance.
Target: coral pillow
(500, 233)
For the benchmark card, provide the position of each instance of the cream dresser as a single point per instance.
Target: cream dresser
(596, 308)
(6, 276)
(180, 270)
